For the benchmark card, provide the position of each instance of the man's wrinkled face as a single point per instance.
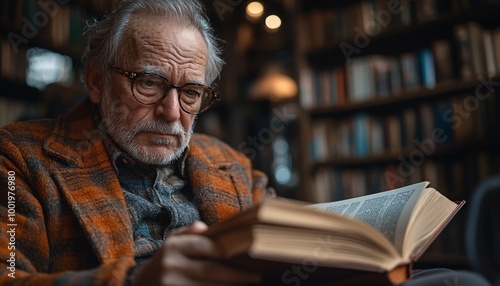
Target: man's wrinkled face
(154, 134)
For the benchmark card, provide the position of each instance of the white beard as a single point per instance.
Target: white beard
(114, 116)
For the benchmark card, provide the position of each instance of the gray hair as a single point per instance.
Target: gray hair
(105, 36)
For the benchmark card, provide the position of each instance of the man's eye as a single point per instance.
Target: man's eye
(192, 92)
(151, 82)
(148, 83)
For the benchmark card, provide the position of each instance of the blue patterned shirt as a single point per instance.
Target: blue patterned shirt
(159, 199)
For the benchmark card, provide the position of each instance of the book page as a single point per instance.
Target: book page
(433, 212)
(389, 211)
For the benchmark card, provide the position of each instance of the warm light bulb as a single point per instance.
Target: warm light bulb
(273, 22)
(255, 10)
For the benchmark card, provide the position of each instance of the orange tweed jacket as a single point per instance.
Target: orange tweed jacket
(65, 217)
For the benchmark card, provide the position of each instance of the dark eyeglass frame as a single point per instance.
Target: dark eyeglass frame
(134, 75)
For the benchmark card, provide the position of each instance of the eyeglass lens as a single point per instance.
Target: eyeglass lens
(150, 89)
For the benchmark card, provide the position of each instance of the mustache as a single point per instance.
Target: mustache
(173, 128)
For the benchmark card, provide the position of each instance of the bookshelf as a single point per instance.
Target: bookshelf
(51, 27)
(396, 92)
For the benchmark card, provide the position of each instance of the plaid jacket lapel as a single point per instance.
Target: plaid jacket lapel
(221, 185)
(98, 204)
(90, 186)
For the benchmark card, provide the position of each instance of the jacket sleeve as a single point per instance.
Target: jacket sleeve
(24, 248)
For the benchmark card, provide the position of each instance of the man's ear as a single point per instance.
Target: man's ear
(93, 80)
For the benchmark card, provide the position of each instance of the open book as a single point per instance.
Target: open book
(370, 240)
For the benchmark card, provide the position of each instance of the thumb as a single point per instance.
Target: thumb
(196, 228)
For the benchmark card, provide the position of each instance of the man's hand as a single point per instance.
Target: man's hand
(187, 258)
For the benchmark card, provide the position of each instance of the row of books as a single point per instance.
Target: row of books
(455, 176)
(384, 75)
(375, 76)
(328, 27)
(457, 121)
(478, 51)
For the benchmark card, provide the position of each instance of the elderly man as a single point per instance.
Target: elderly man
(117, 191)
(100, 190)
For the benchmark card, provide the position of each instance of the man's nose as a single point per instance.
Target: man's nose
(170, 107)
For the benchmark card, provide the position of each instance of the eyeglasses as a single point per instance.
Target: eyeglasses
(150, 88)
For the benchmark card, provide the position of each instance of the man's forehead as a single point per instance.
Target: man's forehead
(145, 29)
(157, 44)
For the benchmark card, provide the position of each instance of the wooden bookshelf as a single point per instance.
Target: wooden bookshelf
(362, 119)
(403, 35)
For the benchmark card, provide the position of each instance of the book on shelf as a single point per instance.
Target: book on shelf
(361, 144)
(427, 68)
(13, 63)
(477, 48)
(489, 54)
(373, 239)
(410, 71)
(495, 42)
(443, 61)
